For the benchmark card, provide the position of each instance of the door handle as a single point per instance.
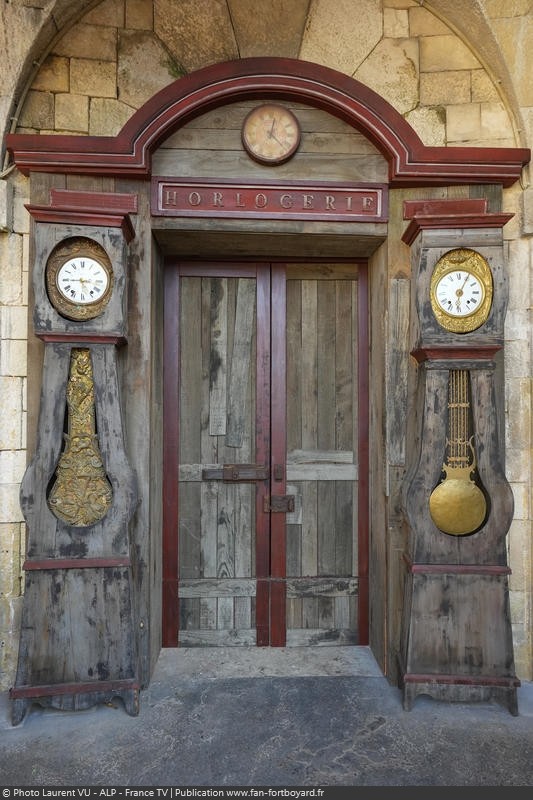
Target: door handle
(236, 473)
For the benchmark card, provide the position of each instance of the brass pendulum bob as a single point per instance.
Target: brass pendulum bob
(457, 505)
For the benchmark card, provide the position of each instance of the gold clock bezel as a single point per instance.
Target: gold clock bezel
(254, 147)
(77, 247)
(468, 261)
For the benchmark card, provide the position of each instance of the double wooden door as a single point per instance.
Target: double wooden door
(265, 454)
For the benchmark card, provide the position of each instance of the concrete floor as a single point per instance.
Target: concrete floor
(270, 717)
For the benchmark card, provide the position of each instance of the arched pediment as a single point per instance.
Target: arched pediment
(411, 163)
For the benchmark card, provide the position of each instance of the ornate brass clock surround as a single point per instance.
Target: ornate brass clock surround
(469, 266)
(77, 249)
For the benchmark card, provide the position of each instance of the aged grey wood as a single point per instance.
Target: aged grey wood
(397, 361)
(322, 472)
(267, 239)
(78, 623)
(322, 409)
(189, 525)
(216, 534)
(217, 638)
(330, 150)
(320, 637)
(221, 587)
(330, 586)
(458, 584)
(218, 357)
(330, 457)
(240, 362)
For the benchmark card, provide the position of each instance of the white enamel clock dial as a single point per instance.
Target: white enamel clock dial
(459, 293)
(82, 280)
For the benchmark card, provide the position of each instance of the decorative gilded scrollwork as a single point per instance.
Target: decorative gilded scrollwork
(81, 494)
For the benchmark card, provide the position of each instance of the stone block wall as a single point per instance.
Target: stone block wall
(91, 69)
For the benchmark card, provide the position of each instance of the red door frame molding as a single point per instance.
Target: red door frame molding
(411, 163)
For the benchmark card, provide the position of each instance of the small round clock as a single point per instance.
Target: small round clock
(271, 134)
(79, 279)
(461, 291)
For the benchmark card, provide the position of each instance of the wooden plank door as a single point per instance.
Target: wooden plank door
(324, 374)
(217, 429)
(261, 455)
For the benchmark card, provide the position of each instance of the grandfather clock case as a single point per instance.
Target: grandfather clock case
(456, 641)
(79, 492)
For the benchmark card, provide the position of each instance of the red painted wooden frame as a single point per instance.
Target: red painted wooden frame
(107, 209)
(442, 214)
(411, 163)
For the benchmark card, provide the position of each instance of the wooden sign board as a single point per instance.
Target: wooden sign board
(267, 200)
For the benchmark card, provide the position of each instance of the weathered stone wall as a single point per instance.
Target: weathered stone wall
(459, 73)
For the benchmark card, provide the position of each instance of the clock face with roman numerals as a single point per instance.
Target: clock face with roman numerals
(461, 291)
(79, 279)
(83, 280)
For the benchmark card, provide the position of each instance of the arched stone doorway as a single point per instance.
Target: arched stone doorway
(155, 233)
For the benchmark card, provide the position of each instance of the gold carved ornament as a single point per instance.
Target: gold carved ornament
(81, 494)
(457, 504)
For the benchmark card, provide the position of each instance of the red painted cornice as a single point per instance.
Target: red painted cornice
(110, 209)
(446, 214)
(441, 352)
(411, 163)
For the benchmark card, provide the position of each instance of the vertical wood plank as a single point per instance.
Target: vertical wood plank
(225, 613)
(345, 344)
(294, 364)
(208, 613)
(363, 516)
(309, 409)
(294, 432)
(326, 413)
(309, 436)
(240, 362)
(226, 532)
(218, 357)
(209, 516)
(171, 460)
(190, 382)
(262, 444)
(208, 453)
(397, 362)
(278, 557)
(242, 613)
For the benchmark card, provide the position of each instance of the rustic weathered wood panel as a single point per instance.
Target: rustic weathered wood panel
(217, 521)
(322, 458)
(217, 413)
(330, 150)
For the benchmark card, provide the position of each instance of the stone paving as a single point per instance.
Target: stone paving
(258, 717)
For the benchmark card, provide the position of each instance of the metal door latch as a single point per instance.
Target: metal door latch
(278, 504)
